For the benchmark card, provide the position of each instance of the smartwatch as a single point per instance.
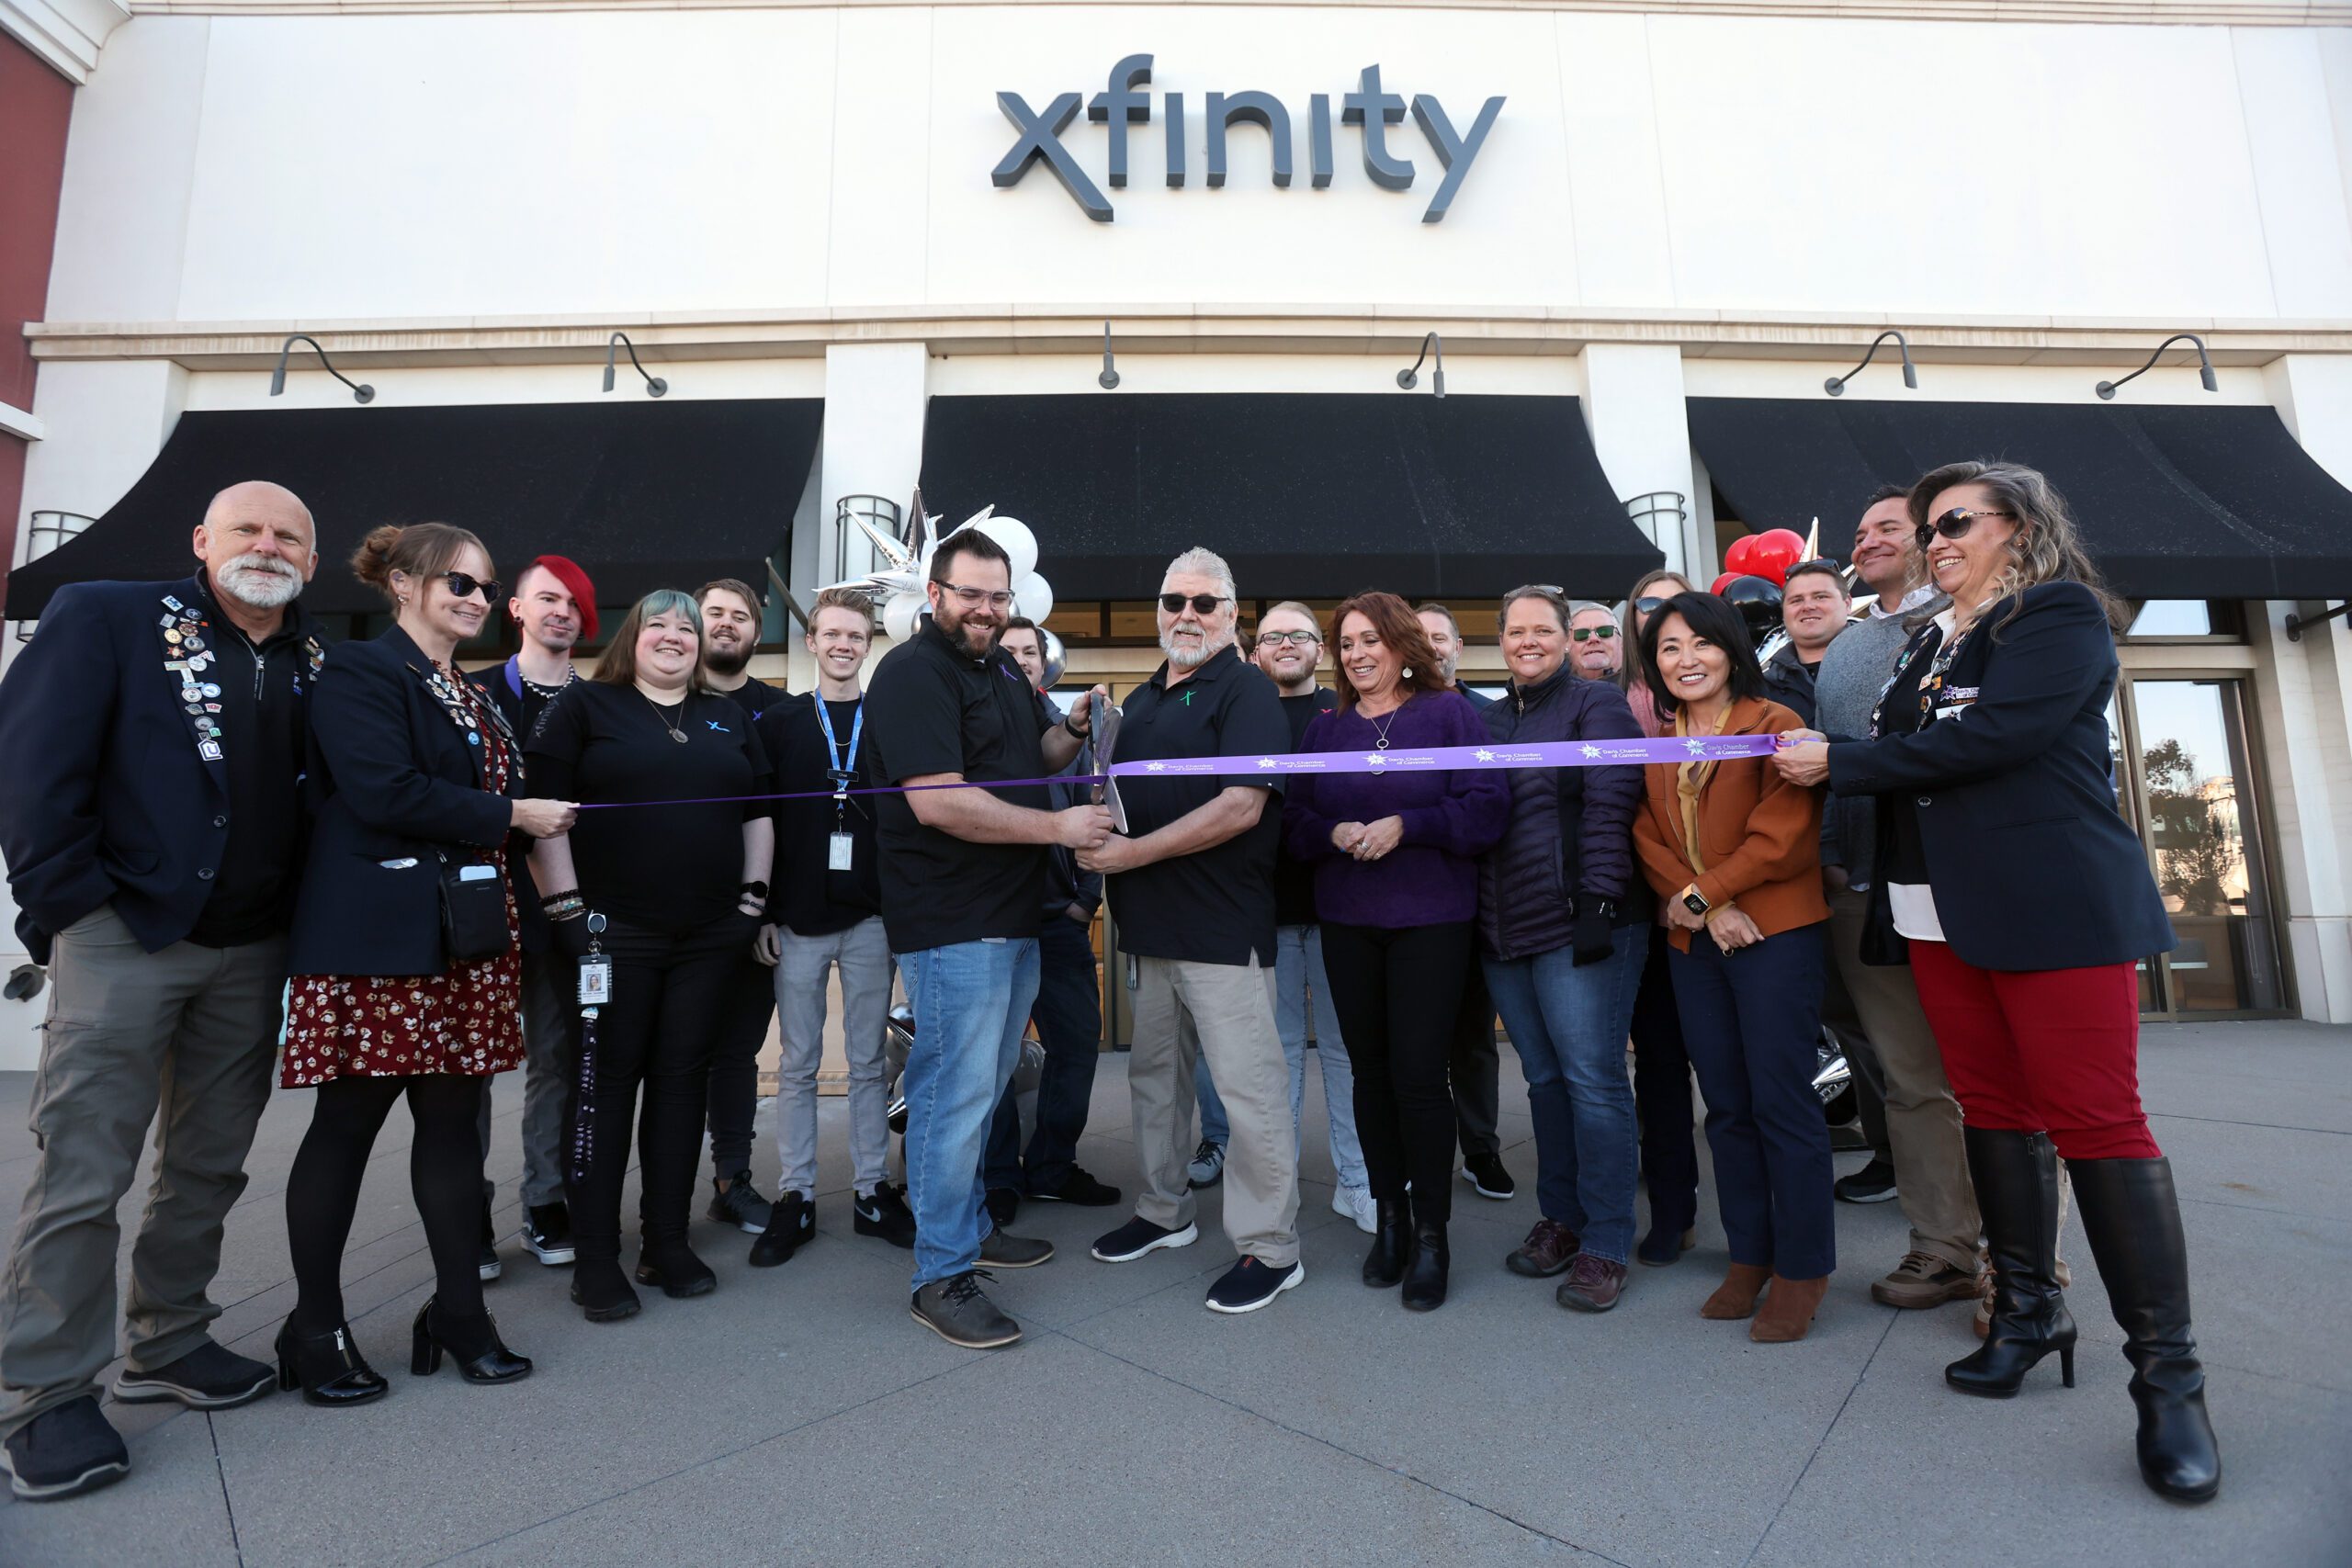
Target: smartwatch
(1695, 901)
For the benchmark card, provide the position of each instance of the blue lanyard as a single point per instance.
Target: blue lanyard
(848, 761)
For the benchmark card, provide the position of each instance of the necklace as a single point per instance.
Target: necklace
(675, 733)
(1381, 730)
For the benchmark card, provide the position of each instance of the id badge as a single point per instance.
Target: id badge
(595, 981)
(838, 851)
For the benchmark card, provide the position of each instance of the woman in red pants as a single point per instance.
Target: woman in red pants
(2025, 902)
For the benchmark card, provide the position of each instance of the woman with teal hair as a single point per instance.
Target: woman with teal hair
(683, 889)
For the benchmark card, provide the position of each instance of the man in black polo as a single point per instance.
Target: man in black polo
(1192, 890)
(152, 827)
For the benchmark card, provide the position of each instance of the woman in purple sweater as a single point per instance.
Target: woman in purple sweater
(1396, 890)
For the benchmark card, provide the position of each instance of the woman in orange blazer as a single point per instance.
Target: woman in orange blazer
(1734, 852)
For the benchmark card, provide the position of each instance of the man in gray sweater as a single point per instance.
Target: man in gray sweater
(1922, 1117)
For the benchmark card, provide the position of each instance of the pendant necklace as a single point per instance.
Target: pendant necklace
(1381, 730)
(675, 733)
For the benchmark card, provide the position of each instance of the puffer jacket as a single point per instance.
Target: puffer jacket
(1571, 828)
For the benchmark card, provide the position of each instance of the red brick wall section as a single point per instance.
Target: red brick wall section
(35, 106)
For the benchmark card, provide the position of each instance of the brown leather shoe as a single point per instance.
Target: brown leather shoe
(1735, 1297)
(1547, 1249)
(1922, 1280)
(1787, 1310)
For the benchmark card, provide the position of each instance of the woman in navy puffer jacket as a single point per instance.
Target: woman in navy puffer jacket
(1564, 926)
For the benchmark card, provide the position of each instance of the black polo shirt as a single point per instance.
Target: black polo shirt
(934, 710)
(1294, 878)
(1215, 907)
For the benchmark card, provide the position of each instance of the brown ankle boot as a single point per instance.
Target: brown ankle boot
(1735, 1297)
(1787, 1310)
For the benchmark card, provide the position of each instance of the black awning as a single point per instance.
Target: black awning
(643, 494)
(1307, 495)
(2176, 501)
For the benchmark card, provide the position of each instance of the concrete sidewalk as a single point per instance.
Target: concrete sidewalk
(796, 1415)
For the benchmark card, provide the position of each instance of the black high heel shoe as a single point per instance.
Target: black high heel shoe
(2015, 1176)
(481, 1355)
(327, 1368)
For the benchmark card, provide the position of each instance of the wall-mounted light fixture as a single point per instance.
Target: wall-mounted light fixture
(360, 392)
(654, 384)
(2106, 390)
(1836, 384)
(1408, 379)
(1110, 376)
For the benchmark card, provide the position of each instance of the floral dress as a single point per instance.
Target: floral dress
(467, 1021)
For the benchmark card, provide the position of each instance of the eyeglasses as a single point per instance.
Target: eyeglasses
(1202, 603)
(1294, 639)
(973, 598)
(1582, 633)
(463, 584)
(1650, 606)
(1955, 524)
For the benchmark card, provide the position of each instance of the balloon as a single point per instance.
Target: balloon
(1033, 597)
(1019, 543)
(898, 615)
(1056, 658)
(1736, 559)
(1769, 555)
(1717, 588)
(1757, 599)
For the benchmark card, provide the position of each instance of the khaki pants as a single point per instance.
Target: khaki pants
(1922, 1118)
(1186, 1010)
(193, 1030)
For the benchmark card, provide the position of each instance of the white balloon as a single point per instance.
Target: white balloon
(1033, 596)
(898, 615)
(1018, 542)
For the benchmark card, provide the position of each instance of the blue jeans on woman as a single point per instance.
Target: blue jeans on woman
(1750, 1020)
(1569, 1024)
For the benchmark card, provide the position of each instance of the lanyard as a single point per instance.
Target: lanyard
(847, 769)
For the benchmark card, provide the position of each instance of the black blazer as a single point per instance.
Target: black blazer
(395, 776)
(2031, 865)
(113, 794)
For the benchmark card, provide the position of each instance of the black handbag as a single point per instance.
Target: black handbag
(473, 910)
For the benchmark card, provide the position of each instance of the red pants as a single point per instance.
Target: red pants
(2045, 1049)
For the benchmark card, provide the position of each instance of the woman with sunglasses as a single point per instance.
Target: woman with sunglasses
(414, 781)
(683, 889)
(2025, 903)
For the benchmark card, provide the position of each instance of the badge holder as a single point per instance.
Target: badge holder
(595, 994)
(841, 853)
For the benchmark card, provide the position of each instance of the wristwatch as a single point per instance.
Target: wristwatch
(1695, 901)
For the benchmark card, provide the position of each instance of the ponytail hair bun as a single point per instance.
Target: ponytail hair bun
(419, 550)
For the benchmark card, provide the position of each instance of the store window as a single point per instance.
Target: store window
(2166, 620)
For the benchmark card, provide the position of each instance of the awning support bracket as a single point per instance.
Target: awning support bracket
(2295, 624)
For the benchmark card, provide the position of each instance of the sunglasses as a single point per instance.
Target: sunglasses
(1955, 524)
(1583, 633)
(464, 583)
(1202, 603)
(1276, 639)
(1650, 606)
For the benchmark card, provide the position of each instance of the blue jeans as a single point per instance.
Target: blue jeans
(971, 1002)
(1750, 1020)
(1069, 1025)
(1569, 1024)
(1303, 996)
(1215, 1128)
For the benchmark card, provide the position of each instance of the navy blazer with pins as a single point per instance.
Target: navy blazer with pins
(396, 776)
(116, 794)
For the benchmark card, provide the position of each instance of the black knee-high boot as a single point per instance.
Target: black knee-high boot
(2133, 1216)
(2015, 1176)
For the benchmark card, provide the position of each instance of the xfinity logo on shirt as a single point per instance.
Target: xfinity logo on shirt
(1121, 106)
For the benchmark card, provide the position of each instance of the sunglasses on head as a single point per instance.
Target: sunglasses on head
(1202, 603)
(463, 584)
(1956, 523)
(1582, 633)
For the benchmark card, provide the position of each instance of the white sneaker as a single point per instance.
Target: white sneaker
(1356, 1204)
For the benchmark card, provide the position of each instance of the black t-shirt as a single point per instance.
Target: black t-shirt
(934, 710)
(755, 697)
(1215, 907)
(520, 700)
(258, 691)
(806, 896)
(1295, 879)
(670, 867)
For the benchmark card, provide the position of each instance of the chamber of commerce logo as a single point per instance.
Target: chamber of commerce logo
(1369, 108)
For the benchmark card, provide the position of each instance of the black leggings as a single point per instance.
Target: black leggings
(444, 1171)
(1662, 1096)
(1398, 995)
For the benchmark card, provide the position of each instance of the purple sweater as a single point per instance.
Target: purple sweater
(1449, 819)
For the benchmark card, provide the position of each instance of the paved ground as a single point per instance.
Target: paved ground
(798, 1417)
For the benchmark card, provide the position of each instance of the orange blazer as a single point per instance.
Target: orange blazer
(1759, 836)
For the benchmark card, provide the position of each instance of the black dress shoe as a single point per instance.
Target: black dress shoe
(1392, 1244)
(327, 1368)
(673, 1267)
(207, 1377)
(64, 1453)
(481, 1355)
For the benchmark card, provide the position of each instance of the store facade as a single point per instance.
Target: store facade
(869, 246)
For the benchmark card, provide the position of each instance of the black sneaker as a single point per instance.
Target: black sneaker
(1003, 1203)
(1138, 1236)
(1014, 1251)
(885, 1214)
(1875, 1183)
(1487, 1178)
(64, 1453)
(207, 1377)
(960, 1312)
(486, 1263)
(1078, 1187)
(738, 1204)
(790, 1222)
(547, 1234)
(1250, 1284)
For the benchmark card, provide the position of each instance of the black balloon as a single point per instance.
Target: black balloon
(1757, 599)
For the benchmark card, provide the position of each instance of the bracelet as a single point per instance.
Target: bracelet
(1075, 733)
(572, 913)
(562, 905)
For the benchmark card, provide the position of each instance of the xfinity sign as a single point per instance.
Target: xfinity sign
(1121, 105)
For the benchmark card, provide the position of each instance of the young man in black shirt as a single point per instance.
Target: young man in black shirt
(730, 635)
(825, 916)
(963, 874)
(1194, 893)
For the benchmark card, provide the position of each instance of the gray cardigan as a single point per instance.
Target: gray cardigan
(1844, 688)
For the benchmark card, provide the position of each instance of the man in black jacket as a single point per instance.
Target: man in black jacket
(153, 832)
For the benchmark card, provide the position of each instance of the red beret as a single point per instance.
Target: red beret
(583, 591)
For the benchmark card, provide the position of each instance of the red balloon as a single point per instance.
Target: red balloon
(1728, 577)
(1772, 553)
(1736, 559)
